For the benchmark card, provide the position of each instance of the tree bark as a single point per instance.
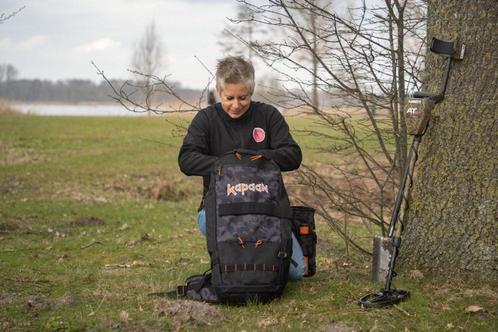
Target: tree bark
(453, 227)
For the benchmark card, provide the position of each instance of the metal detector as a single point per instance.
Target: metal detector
(386, 249)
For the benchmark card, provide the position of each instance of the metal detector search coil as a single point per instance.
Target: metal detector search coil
(383, 298)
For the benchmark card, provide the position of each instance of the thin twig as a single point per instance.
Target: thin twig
(4, 17)
(92, 244)
(403, 310)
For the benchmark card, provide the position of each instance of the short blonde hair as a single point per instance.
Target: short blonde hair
(235, 70)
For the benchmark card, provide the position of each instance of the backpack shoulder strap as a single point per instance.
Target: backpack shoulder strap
(197, 287)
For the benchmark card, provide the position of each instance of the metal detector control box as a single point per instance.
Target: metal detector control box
(417, 115)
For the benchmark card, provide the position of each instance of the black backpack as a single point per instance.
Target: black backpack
(248, 226)
(249, 222)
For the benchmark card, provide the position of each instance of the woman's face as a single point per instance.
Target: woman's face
(235, 99)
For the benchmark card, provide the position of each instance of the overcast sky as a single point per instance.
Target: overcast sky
(57, 39)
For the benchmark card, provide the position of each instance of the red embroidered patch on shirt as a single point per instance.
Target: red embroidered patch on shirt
(258, 134)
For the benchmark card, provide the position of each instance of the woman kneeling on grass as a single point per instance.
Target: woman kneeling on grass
(237, 122)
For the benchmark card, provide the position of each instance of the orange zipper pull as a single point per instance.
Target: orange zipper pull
(241, 241)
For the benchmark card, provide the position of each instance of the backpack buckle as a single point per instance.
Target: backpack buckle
(181, 290)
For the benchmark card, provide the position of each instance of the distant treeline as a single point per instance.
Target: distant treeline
(73, 91)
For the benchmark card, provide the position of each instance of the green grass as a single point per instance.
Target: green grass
(58, 276)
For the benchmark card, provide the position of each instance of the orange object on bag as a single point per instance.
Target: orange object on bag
(304, 230)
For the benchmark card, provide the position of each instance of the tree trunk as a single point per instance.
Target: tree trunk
(453, 227)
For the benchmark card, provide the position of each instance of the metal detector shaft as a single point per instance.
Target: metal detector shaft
(402, 193)
(405, 183)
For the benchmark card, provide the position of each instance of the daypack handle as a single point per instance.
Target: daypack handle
(255, 155)
(244, 151)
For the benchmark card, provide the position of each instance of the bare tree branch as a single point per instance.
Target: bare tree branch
(4, 17)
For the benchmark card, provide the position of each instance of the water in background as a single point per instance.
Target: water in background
(76, 110)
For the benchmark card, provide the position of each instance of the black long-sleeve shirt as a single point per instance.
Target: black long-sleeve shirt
(213, 133)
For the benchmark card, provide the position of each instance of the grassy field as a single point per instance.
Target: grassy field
(95, 215)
